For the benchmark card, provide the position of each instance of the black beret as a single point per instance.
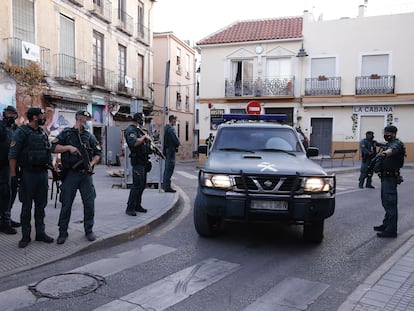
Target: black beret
(369, 133)
(171, 117)
(137, 116)
(391, 129)
(10, 108)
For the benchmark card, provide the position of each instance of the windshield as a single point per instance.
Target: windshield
(257, 138)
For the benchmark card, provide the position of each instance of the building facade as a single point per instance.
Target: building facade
(93, 54)
(335, 79)
(175, 89)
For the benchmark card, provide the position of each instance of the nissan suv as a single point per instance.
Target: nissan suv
(260, 172)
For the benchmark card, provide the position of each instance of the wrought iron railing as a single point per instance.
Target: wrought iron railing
(77, 2)
(103, 10)
(322, 85)
(71, 68)
(124, 22)
(14, 55)
(279, 86)
(143, 34)
(103, 78)
(375, 85)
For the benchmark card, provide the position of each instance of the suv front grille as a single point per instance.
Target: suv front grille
(267, 184)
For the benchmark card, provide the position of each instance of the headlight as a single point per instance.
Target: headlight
(317, 184)
(215, 181)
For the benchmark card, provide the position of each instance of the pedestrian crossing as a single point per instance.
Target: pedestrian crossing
(171, 289)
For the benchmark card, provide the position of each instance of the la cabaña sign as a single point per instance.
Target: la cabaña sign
(373, 109)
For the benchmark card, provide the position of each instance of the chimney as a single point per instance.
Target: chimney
(363, 9)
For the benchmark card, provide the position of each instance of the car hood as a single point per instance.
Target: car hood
(262, 163)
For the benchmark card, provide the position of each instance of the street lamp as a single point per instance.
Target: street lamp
(302, 52)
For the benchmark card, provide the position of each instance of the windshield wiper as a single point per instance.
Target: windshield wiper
(235, 149)
(277, 150)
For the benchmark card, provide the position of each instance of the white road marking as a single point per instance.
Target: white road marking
(21, 297)
(292, 294)
(187, 175)
(174, 288)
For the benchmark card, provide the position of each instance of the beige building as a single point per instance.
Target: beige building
(93, 54)
(178, 97)
(335, 79)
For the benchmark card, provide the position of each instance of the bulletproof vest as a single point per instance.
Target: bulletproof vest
(71, 138)
(139, 154)
(396, 162)
(36, 152)
(5, 138)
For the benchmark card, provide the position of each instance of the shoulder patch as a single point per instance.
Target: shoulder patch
(54, 141)
(132, 135)
(98, 147)
(12, 143)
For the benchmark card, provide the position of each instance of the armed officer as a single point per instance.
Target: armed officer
(80, 152)
(388, 167)
(6, 133)
(139, 153)
(30, 150)
(170, 145)
(368, 148)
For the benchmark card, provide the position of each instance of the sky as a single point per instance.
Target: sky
(195, 19)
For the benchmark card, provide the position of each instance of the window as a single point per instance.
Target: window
(375, 64)
(23, 20)
(323, 67)
(242, 76)
(178, 61)
(187, 98)
(98, 59)
(122, 10)
(121, 67)
(67, 62)
(178, 100)
(278, 68)
(140, 75)
(187, 65)
(140, 18)
(187, 130)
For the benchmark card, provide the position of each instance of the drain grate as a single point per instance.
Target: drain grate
(67, 285)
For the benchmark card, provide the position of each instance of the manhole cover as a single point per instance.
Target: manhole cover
(67, 285)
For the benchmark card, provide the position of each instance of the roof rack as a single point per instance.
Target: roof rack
(233, 117)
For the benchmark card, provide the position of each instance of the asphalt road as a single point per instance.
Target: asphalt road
(247, 268)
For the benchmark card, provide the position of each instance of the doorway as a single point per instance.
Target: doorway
(321, 135)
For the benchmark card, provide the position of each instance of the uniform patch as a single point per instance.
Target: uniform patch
(13, 143)
(55, 140)
(132, 135)
(98, 147)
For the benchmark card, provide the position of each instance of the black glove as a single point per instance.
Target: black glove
(14, 182)
(381, 155)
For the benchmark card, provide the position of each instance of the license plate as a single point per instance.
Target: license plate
(270, 205)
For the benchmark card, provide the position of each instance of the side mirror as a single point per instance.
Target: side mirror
(312, 152)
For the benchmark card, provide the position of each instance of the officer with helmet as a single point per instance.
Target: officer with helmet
(30, 150)
(7, 126)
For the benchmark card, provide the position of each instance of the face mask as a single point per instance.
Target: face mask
(88, 125)
(41, 122)
(9, 121)
(387, 137)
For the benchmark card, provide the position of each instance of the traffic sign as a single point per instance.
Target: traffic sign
(254, 107)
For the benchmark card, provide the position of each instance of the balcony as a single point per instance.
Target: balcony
(103, 11)
(124, 22)
(13, 50)
(102, 78)
(281, 86)
(143, 34)
(122, 88)
(323, 86)
(71, 69)
(375, 85)
(76, 2)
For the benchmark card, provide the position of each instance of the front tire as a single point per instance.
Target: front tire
(313, 232)
(206, 225)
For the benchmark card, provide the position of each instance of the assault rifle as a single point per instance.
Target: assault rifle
(85, 161)
(153, 147)
(374, 165)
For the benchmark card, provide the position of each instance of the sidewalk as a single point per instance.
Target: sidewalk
(112, 225)
(389, 287)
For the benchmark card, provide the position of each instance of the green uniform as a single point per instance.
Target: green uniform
(77, 177)
(31, 149)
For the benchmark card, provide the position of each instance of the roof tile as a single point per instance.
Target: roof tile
(257, 30)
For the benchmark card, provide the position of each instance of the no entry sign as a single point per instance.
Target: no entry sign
(253, 107)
